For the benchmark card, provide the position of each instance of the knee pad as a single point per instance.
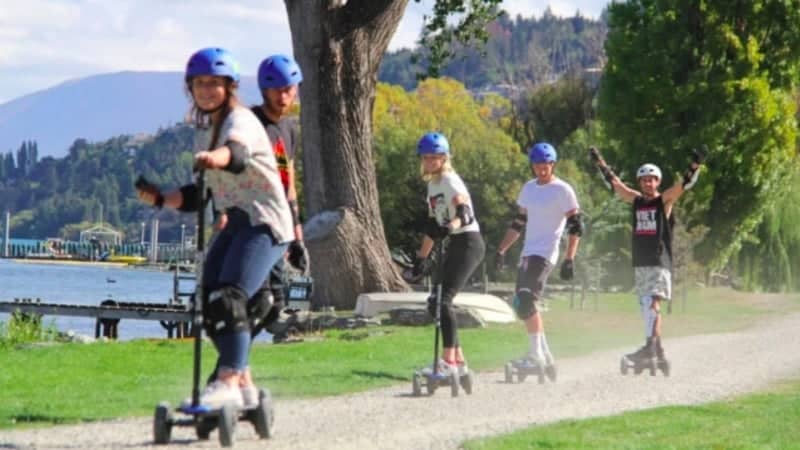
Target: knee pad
(524, 303)
(226, 311)
(259, 307)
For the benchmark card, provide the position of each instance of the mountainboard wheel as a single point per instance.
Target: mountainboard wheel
(665, 367)
(430, 384)
(265, 415)
(227, 423)
(416, 385)
(540, 374)
(204, 427)
(454, 384)
(467, 382)
(551, 372)
(162, 423)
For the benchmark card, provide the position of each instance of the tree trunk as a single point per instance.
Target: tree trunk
(339, 45)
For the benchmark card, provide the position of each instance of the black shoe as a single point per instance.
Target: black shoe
(647, 351)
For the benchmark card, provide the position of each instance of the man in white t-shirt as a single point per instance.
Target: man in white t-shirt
(547, 205)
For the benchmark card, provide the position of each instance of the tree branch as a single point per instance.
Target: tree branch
(358, 14)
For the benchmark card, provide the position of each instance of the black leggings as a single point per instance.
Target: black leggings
(465, 252)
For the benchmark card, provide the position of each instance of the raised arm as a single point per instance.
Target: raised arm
(689, 179)
(624, 192)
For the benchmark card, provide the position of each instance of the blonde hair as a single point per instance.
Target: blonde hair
(436, 176)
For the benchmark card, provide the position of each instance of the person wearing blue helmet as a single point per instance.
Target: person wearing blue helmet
(241, 174)
(450, 214)
(279, 77)
(547, 206)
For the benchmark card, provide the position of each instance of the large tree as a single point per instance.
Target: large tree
(683, 73)
(339, 45)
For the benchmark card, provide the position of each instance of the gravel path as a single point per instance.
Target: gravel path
(704, 368)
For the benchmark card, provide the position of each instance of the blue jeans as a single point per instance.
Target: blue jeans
(241, 255)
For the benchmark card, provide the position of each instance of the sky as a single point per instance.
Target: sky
(47, 42)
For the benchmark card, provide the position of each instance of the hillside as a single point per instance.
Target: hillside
(96, 108)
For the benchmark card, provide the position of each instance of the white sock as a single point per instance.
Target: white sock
(546, 348)
(649, 315)
(536, 343)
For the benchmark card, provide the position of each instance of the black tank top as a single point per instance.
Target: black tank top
(652, 234)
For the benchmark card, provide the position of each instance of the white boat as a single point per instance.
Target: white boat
(489, 307)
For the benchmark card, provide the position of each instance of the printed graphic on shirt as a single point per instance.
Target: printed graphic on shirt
(283, 162)
(646, 224)
(438, 205)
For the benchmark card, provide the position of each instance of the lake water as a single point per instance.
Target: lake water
(85, 284)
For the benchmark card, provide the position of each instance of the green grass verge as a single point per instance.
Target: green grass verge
(61, 383)
(766, 420)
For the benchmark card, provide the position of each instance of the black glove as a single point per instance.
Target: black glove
(567, 270)
(145, 186)
(417, 271)
(699, 156)
(595, 154)
(499, 261)
(298, 256)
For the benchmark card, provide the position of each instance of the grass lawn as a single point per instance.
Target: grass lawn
(61, 383)
(766, 420)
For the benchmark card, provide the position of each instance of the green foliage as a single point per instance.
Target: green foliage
(551, 112)
(758, 421)
(482, 154)
(770, 259)
(438, 35)
(58, 195)
(25, 328)
(682, 74)
(518, 52)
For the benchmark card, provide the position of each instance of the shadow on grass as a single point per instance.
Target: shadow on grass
(381, 374)
(41, 418)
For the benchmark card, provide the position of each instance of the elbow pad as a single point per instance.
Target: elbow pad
(238, 157)
(464, 212)
(191, 198)
(519, 222)
(575, 225)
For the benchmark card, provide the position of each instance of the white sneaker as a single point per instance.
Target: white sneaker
(219, 393)
(249, 395)
(463, 369)
(549, 359)
(446, 369)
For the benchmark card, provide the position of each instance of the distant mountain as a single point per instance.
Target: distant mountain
(98, 107)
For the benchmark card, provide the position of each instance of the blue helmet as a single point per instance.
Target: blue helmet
(213, 61)
(433, 144)
(542, 153)
(278, 71)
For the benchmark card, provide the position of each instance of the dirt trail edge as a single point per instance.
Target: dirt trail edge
(704, 368)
